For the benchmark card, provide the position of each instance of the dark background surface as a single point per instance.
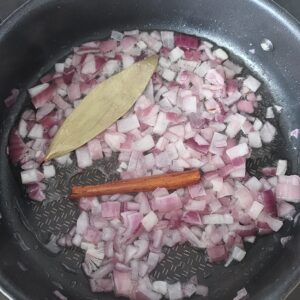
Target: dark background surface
(292, 6)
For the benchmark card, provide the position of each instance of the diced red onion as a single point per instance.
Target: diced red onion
(191, 237)
(281, 167)
(269, 201)
(254, 139)
(49, 171)
(101, 285)
(255, 209)
(269, 113)
(175, 54)
(167, 203)
(110, 209)
(35, 191)
(238, 253)
(160, 287)
(31, 176)
(188, 117)
(217, 219)
(149, 221)
(175, 291)
(267, 132)
(167, 38)
(82, 223)
(144, 144)
(202, 290)
(83, 157)
(103, 271)
(286, 210)
(252, 83)
(95, 149)
(217, 253)
(237, 151)
(36, 132)
(186, 41)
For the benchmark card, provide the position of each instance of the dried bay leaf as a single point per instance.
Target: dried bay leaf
(103, 106)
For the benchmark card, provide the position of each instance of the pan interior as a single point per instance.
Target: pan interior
(33, 226)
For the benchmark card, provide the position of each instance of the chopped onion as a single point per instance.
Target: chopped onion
(267, 132)
(270, 113)
(83, 157)
(217, 219)
(237, 151)
(49, 171)
(127, 124)
(241, 294)
(160, 287)
(144, 144)
(149, 221)
(252, 83)
(281, 167)
(194, 113)
(238, 253)
(175, 291)
(220, 53)
(167, 203)
(31, 176)
(255, 209)
(254, 139)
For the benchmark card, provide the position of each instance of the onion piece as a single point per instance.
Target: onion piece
(255, 209)
(281, 167)
(238, 253)
(267, 132)
(160, 287)
(49, 171)
(101, 285)
(143, 246)
(241, 294)
(237, 151)
(167, 203)
(167, 38)
(252, 83)
(186, 41)
(127, 124)
(103, 271)
(175, 291)
(217, 253)
(191, 237)
(270, 113)
(110, 209)
(149, 221)
(83, 157)
(17, 148)
(254, 139)
(144, 144)
(31, 176)
(217, 219)
(288, 188)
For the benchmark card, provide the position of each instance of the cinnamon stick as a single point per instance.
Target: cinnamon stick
(169, 181)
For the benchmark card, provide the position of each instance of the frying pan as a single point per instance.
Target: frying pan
(43, 31)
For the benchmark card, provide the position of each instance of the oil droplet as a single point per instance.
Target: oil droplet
(266, 45)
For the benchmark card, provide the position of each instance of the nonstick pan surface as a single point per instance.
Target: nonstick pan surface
(44, 31)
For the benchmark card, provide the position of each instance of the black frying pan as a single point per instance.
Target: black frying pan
(42, 32)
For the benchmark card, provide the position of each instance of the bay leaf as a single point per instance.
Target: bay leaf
(103, 106)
